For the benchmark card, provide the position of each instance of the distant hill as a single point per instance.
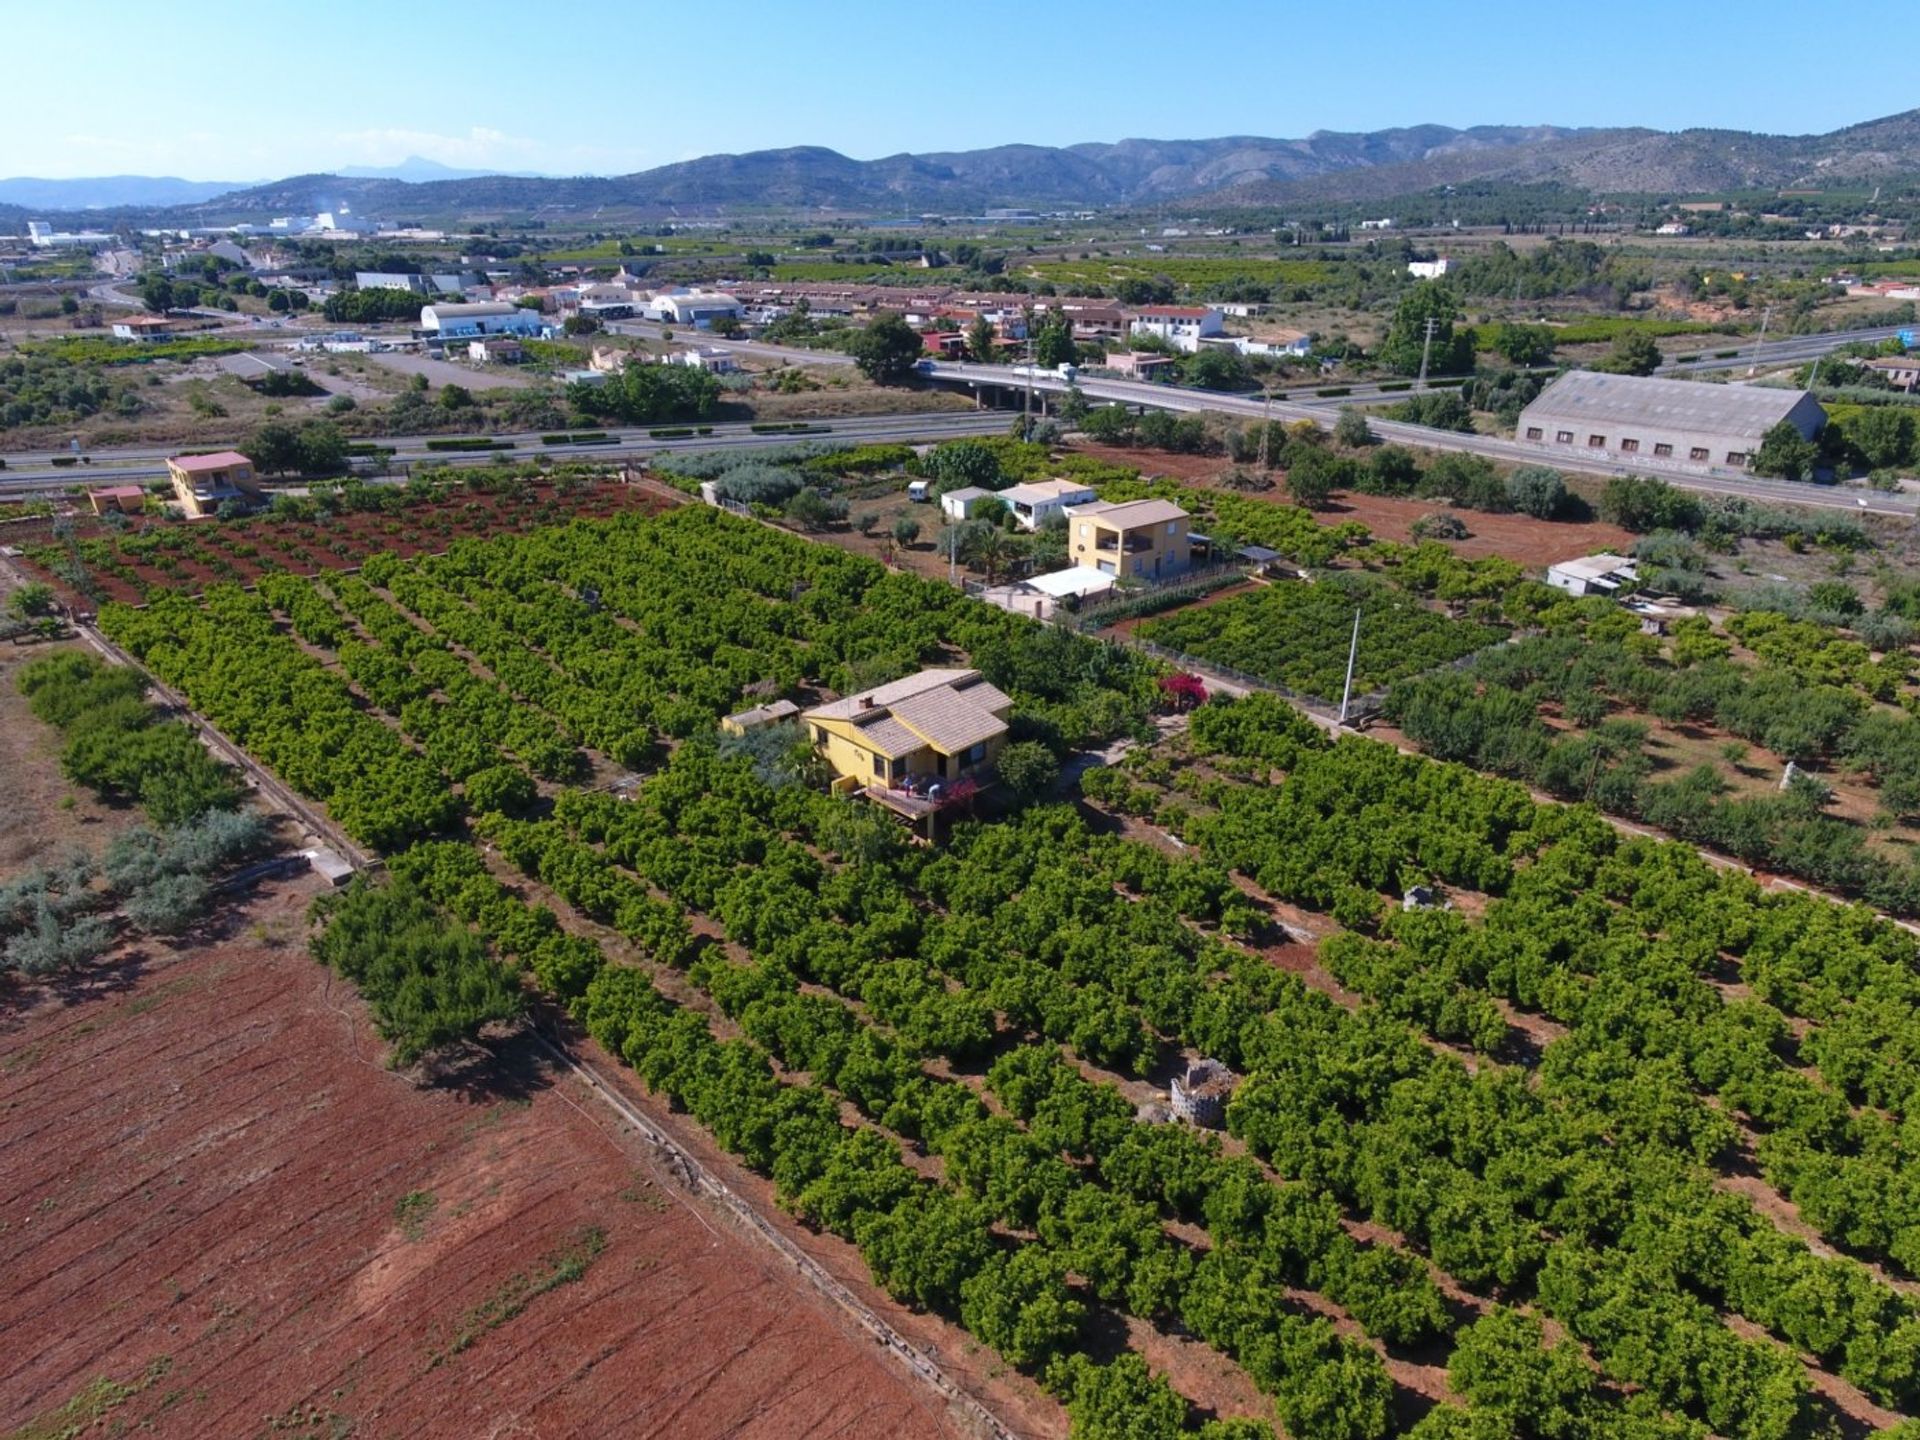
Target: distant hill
(1251, 170)
(107, 192)
(417, 170)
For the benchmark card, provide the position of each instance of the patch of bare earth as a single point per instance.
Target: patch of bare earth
(210, 1174)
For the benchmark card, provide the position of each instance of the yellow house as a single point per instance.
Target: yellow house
(1134, 539)
(932, 728)
(203, 482)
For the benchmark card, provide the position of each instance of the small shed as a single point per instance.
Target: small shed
(128, 499)
(759, 717)
(329, 865)
(1200, 1096)
(958, 504)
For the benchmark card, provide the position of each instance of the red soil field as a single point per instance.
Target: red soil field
(1531, 542)
(218, 550)
(218, 1198)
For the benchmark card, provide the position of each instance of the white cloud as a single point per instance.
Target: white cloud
(480, 146)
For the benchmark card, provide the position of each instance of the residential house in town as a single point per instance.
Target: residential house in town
(1181, 326)
(203, 483)
(1133, 539)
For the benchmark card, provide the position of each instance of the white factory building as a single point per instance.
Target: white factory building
(698, 308)
(486, 317)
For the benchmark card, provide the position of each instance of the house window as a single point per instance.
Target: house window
(819, 735)
(1663, 451)
(1596, 442)
(1564, 437)
(1173, 526)
(976, 753)
(1534, 432)
(1736, 457)
(1629, 445)
(1698, 452)
(880, 767)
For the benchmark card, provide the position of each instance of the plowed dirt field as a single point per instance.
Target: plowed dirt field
(222, 1217)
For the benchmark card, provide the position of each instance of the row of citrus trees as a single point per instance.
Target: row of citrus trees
(1019, 933)
(1622, 942)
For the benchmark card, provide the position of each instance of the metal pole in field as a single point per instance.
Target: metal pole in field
(1353, 654)
(1765, 316)
(1266, 425)
(1426, 346)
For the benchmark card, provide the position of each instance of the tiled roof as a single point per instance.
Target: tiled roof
(889, 737)
(881, 696)
(947, 719)
(219, 460)
(946, 709)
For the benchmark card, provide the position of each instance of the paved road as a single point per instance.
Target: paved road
(33, 475)
(1167, 397)
(785, 354)
(1789, 349)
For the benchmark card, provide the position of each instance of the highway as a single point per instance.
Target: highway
(1251, 407)
(34, 474)
(1791, 349)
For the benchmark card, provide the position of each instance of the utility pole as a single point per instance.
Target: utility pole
(1266, 425)
(1353, 654)
(1026, 410)
(1765, 316)
(1426, 347)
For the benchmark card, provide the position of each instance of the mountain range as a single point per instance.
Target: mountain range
(1325, 167)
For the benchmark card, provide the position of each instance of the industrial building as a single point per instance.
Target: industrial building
(486, 317)
(1629, 417)
(693, 307)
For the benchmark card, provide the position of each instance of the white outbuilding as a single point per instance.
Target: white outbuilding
(1593, 575)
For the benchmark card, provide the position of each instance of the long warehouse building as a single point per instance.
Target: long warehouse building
(1687, 422)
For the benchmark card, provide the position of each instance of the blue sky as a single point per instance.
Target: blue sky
(232, 91)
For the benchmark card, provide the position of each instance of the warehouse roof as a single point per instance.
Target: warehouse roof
(1591, 395)
(477, 308)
